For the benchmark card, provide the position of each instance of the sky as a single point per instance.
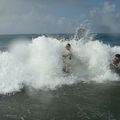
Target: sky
(58, 16)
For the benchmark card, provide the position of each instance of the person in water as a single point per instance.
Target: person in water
(116, 60)
(115, 66)
(67, 56)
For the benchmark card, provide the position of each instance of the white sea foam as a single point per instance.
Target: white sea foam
(38, 64)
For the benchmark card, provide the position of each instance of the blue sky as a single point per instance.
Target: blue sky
(58, 16)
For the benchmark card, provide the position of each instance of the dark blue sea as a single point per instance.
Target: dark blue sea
(78, 100)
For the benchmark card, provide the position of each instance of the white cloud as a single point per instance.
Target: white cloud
(105, 18)
(42, 16)
(37, 16)
(29, 16)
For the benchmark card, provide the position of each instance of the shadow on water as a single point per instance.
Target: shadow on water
(80, 101)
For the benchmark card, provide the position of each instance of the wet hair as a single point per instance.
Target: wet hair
(117, 55)
(69, 44)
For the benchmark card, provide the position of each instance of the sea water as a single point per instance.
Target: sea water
(33, 85)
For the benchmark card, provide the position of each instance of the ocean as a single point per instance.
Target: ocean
(34, 87)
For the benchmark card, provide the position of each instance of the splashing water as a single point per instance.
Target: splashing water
(38, 64)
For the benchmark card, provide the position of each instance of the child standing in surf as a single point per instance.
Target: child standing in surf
(67, 56)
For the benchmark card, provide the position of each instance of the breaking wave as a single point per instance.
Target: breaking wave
(38, 64)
